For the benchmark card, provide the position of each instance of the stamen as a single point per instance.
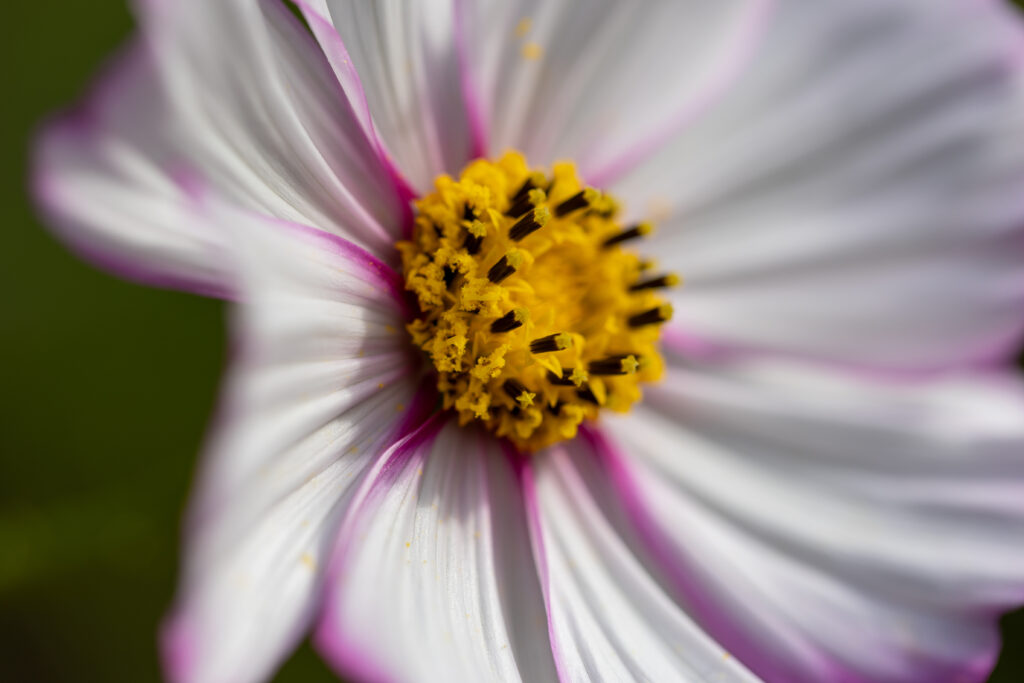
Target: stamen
(510, 321)
(505, 266)
(533, 180)
(449, 276)
(571, 377)
(553, 326)
(515, 389)
(580, 200)
(532, 199)
(615, 365)
(659, 314)
(552, 342)
(530, 223)
(670, 280)
(638, 230)
(475, 233)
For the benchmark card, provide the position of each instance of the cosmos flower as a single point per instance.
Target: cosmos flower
(476, 429)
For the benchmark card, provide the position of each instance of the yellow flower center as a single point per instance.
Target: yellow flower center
(531, 311)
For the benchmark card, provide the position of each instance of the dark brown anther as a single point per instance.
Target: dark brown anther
(622, 364)
(469, 213)
(652, 316)
(638, 230)
(587, 395)
(520, 206)
(528, 224)
(500, 270)
(472, 243)
(507, 322)
(514, 388)
(552, 342)
(562, 381)
(580, 200)
(655, 283)
(449, 276)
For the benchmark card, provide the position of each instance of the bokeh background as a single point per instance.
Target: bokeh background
(105, 391)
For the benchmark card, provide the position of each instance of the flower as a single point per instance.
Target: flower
(825, 485)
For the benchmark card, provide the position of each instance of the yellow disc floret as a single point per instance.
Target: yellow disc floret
(532, 313)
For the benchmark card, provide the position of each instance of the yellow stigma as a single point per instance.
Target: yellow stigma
(531, 311)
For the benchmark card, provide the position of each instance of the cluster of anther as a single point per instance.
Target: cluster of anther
(532, 313)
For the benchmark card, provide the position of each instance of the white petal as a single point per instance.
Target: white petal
(597, 82)
(273, 128)
(110, 178)
(609, 620)
(405, 54)
(824, 527)
(433, 578)
(856, 197)
(320, 386)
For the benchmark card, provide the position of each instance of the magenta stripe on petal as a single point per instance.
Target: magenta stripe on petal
(330, 638)
(994, 354)
(337, 55)
(710, 616)
(532, 507)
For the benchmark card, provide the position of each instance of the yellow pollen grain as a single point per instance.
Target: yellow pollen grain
(521, 355)
(308, 561)
(523, 27)
(532, 51)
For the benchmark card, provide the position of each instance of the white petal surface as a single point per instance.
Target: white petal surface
(404, 54)
(824, 527)
(433, 578)
(856, 197)
(597, 82)
(320, 386)
(273, 128)
(609, 620)
(110, 178)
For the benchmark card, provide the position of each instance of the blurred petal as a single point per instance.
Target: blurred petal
(405, 54)
(272, 127)
(857, 196)
(609, 620)
(321, 385)
(825, 527)
(110, 180)
(598, 82)
(432, 578)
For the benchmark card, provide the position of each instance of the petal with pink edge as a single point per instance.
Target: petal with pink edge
(433, 578)
(273, 129)
(827, 527)
(403, 55)
(320, 386)
(609, 620)
(856, 199)
(110, 178)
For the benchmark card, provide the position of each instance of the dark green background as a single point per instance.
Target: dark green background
(105, 391)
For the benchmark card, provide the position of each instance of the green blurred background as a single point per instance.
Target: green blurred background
(105, 391)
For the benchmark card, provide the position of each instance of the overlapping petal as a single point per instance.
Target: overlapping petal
(404, 55)
(273, 130)
(825, 527)
(320, 386)
(609, 620)
(433, 577)
(856, 196)
(598, 82)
